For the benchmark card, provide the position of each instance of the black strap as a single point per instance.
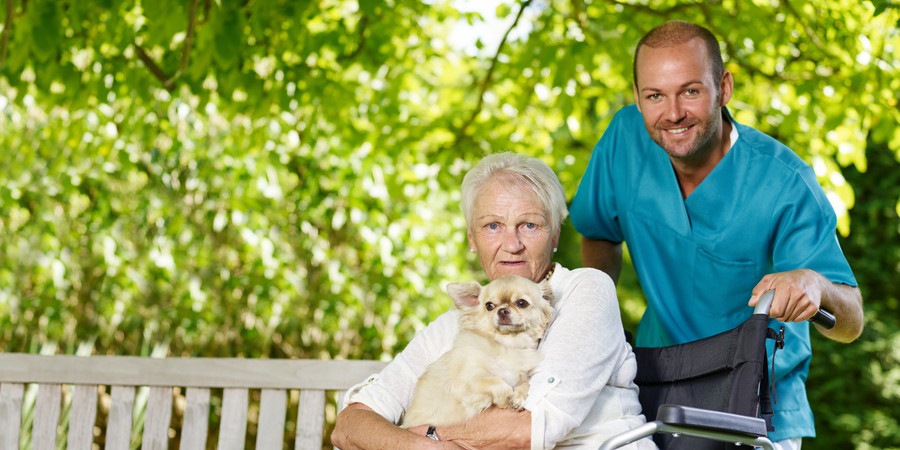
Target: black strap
(767, 394)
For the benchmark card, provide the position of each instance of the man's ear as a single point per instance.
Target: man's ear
(464, 295)
(726, 87)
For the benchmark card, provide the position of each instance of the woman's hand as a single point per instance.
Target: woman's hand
(358, 427)
(493, 429)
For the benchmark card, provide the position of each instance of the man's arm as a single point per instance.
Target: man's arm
(799, 294)
(603, 255)
(846, 303)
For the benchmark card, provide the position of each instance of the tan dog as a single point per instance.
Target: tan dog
(500, 326)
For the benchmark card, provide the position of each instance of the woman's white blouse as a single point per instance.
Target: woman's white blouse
(581, 394)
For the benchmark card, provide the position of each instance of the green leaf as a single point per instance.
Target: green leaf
(503, 9)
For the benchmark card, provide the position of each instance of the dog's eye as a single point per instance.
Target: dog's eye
(489, 306)
(521, 303)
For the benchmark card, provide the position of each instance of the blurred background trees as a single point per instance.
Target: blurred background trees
(279, 178)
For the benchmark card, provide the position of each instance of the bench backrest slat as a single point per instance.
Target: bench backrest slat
(310, 417)
(11, 396)
(191, 372)
(118, 430)
(234, 419)
(82, 417)
(157, 418)
(46, 416)
(272, 413)
(196, 419)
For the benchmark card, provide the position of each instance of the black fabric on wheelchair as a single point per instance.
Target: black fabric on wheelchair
(726, 372)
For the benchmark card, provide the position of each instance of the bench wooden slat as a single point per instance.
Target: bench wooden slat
(118, 429)
(272, 413)
(310, 419)
(157, 419)
(233, 429)
(11, 395)
(196, 419)
(192, 372)
(81, 418)
(46, 416)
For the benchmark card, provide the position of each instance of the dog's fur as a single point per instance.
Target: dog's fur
(501, 325)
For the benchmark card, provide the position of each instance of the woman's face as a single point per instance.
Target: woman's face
(511, 232)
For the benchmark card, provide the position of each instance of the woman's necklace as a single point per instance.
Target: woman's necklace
(550, 272)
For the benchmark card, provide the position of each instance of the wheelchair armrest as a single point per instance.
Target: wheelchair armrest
(686, 416)
(702, 423)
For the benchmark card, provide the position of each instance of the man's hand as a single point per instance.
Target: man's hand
(800, 293)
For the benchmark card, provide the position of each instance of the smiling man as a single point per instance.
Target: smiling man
(714, 214)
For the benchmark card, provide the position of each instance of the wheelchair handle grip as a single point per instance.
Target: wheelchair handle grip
(823, 317)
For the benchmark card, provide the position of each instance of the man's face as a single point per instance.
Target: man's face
(679, 99)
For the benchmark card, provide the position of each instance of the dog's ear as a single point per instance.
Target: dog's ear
(547, 291)
(464, 295)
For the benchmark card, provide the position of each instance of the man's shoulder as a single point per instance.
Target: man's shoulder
(626, 116)
(763, 145)
(626, 131)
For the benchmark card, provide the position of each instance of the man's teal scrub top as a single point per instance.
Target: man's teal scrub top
(760, 211)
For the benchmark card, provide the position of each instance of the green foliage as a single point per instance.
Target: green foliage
(280, 178)
(855, 388)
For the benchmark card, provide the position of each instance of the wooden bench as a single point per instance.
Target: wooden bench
(137, 392)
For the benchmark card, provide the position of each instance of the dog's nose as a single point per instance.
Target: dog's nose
(503, 312)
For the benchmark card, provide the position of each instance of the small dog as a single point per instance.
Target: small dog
(500, 326)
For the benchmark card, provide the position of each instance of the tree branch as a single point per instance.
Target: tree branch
(806, 28)
(485, 83)
(154, 69)
(206, 7)
(753, 69)
(580, 15)
(660, 12)
(188, 39)
(361, 27)
(7, 29)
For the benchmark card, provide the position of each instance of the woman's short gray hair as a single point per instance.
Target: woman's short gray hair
(529, 173)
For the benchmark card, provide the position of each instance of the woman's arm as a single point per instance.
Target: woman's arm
(358, 427)
(585, 355)
(494, 429)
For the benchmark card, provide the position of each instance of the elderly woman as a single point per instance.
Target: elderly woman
(581, 393)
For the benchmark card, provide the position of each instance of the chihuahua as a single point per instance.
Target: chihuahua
(500, 327)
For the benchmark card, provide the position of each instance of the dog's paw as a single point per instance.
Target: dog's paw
(518, 396)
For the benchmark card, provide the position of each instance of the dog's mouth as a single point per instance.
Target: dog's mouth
(505, 325)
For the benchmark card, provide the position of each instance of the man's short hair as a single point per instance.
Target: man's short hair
(677, 32)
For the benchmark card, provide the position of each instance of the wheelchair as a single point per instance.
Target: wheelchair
(722, 399)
